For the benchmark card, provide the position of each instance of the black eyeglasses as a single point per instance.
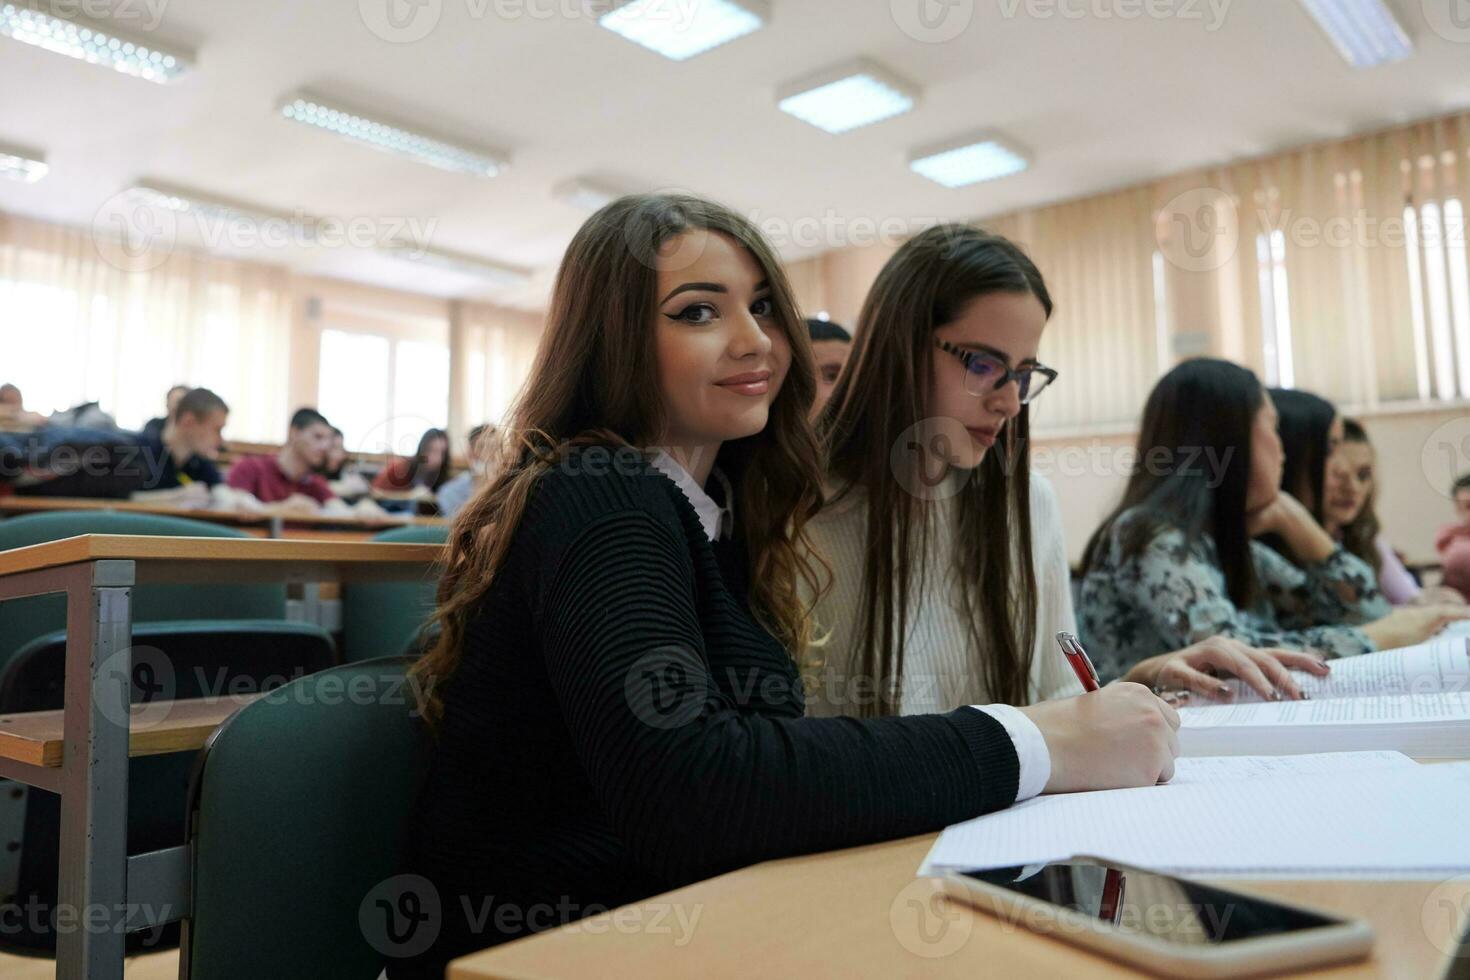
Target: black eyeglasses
(985, 372)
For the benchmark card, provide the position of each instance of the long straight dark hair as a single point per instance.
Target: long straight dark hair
(1306, 433)
(1204, 409)
(878, 400)
(416, 466)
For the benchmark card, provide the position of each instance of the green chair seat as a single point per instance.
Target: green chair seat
(300, 806)
(386, 619)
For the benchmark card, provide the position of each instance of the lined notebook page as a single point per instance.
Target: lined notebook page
(1400, 821)
(1214, 768)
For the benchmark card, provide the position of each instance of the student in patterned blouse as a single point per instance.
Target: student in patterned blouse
(1179, 559)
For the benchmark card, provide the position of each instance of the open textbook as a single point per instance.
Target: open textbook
(1337, 815)
(1415, 700)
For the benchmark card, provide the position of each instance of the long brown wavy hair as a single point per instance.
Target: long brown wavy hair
(594, 381)
(879, 399)
(1360, 535)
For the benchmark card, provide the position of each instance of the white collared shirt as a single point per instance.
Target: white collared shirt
(718, 522)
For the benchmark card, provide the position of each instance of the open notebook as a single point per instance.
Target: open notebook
(1415, 700)
(1340, 815)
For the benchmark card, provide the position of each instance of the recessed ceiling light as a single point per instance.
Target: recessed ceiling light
(960, 163)
(585, 194)
(1365, 32)
(495, 273)
(856, 93)
(93, 42)
(381, 134)
(683, 30)
(22, 164)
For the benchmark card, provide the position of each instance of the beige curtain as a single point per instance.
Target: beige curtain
(1098, 259)
(493, 351)
(1357, 271)
(88, 318)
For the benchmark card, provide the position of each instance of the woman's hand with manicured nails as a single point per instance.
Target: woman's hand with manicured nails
(1120, 736)
(1198, 670)
(1408, 625)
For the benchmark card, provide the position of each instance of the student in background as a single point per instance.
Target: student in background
(407, 478)
(1178, 559)
(1349, 515)
(13, 412)
(1453, 540)
(343, 477)
(183, 455)
(290, 476)
(616, 657)
(153, 428)
(949, 569)
(479, 450)
(831, 343)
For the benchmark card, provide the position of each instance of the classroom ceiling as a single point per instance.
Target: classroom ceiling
(1100, 102)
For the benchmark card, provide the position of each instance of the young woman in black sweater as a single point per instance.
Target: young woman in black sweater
(615, 705)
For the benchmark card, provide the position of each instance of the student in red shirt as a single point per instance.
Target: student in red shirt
(290, 475)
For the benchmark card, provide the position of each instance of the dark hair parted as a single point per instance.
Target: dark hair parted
(1203, 406)
(880, 397)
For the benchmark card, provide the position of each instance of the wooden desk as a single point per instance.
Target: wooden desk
(862, 913)
(304, 526)
(97, 573)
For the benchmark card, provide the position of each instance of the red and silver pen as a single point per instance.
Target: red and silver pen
(1081, 663)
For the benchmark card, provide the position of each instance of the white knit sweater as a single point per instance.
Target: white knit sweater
(940, 668)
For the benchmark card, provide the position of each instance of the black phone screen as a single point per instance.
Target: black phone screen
(1141, 903)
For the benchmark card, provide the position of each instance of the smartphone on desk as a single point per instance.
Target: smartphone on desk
(1167, 926)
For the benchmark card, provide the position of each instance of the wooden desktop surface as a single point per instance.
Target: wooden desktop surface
(862, 913)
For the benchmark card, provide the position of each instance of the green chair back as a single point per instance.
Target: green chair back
(301, 803)
(22, 620)
(384, 619)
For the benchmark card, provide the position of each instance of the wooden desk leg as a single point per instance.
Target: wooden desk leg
(92, 889)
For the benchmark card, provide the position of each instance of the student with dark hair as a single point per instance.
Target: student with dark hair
(407, 478)
(342, 477)
(831, 343)
(153, 428)
(479, 451)
(613, 693)
(949, 568)
(1349, 514)
(183, 454)
(290, 476)
(1178, 558)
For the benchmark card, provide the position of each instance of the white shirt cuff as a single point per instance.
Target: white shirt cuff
(1030, 745)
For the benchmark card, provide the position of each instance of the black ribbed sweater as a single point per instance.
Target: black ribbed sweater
(621, 725)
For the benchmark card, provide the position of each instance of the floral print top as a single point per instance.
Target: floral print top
(1172, 594)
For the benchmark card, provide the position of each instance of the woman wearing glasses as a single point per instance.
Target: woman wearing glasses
(950, 575)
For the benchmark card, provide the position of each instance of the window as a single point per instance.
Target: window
(1275, 309)
(1439, 293)
(353, 387)
(382, 391)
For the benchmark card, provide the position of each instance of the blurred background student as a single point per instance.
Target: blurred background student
(1349, 514)
(407, 479)
(1179, 558)
(290, 476)
(479, 451)
(153, 428)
